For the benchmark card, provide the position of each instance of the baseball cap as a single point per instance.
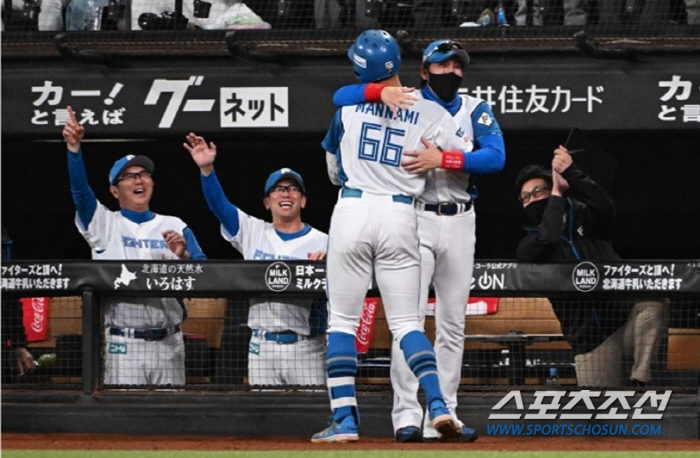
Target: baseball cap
(284, 174)
(441, 50)
(129, 161)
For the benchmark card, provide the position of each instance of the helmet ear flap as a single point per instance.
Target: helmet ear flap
(375, 56)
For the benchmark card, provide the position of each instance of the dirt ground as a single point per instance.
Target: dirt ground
(16, 441)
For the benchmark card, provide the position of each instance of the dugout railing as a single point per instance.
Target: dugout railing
(513, 337)
(513, 344)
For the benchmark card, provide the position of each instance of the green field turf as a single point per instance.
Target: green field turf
(333, 454)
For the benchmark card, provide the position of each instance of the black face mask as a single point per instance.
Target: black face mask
(445, 85)
(535, 211)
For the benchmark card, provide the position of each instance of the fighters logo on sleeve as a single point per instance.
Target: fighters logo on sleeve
(485, 119)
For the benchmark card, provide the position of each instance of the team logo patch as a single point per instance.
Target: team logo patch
(585, 276)
(278, 276)
(117, 348)
(485, 119)
(359, 61)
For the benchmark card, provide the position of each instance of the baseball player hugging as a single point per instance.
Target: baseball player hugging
(446, 224)
(374, 230)
(284, 349)
(143, 339)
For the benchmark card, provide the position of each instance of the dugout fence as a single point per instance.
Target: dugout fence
(514, 338)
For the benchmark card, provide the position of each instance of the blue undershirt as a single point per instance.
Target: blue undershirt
(86, 203)
(227, 213)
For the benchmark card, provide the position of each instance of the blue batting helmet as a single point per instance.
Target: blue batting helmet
(375, 56)
(441, 50)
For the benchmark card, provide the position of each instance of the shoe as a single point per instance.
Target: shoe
(345, 431)
(444, 422)
(468, 435)
(410, 434)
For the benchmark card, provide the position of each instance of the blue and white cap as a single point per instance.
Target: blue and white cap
(129, 161)
(284, 174)
(441, 50)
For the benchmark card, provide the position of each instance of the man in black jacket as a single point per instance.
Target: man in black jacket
(566, 229)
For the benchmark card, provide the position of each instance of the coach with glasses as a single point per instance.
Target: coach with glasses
(562, 228)
(288, 342)
(144, 344)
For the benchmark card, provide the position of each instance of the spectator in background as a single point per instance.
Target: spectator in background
(431, 13)
(333, 14)
(80, 15)
(284, 349)
(567, 229)
(48, 13)
(575, 12)
(649, 14)
(327, 13)
(14, 339)
(692, 9)
(143, 339)
(212, 15)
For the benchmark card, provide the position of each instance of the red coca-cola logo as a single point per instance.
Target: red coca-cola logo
(364, 333)
(38, 318)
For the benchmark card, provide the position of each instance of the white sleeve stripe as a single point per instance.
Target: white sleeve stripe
(340, 381)
(343, 402)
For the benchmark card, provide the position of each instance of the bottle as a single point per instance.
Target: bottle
(94, 16)
(501, 15)
(486, 18)
(552, 381)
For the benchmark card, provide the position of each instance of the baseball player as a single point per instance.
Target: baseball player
(373, 229)
(446, 226)
(143, 338)
(284, 349)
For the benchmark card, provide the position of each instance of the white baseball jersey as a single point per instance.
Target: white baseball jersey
(447, 244)
(376, 231)
(112, 236)
(372, 143)
(451, 186)
(258, 240)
